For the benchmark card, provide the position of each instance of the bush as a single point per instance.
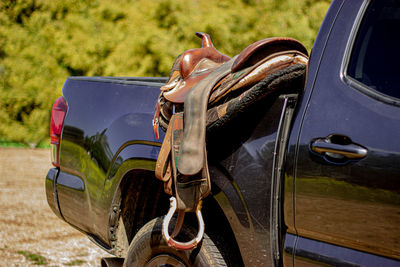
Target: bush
(43, 42)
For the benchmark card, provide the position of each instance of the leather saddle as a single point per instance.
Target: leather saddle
(204, 89)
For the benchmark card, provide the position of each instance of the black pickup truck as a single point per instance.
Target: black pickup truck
(314, 180)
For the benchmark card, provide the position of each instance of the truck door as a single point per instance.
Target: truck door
(347, 170)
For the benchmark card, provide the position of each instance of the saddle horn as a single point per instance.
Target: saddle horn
(206, 39)
(193, 65)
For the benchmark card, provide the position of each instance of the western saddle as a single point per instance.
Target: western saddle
(207, 89)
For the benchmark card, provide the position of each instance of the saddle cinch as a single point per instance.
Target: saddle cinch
(207, 89)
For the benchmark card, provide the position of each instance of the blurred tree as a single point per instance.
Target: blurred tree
(43, 42)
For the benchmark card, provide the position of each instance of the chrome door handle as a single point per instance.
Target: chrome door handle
(327, 146)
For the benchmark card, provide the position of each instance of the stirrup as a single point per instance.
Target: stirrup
(182, 245)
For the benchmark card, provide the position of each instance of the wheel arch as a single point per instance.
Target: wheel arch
(138, 199)
(141, 184)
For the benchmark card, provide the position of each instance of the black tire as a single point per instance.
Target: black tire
(149, 249)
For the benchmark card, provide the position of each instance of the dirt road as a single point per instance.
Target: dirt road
(30, 232)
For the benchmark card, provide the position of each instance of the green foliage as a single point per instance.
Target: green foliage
(43, 42)
(34, 258)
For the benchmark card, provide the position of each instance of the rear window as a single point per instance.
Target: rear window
(375, 59)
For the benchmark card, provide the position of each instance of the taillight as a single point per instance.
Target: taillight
(56, 124)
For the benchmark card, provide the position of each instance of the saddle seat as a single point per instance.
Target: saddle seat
(190, 67)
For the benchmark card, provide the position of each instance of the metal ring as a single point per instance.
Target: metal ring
(182, 245)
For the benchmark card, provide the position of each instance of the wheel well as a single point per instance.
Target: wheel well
(143, 199)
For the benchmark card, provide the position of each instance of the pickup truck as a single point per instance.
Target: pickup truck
(313, 180)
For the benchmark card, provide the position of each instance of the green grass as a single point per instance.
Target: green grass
(75, 262)
(12, 144)
(34, 258)
(4, 143)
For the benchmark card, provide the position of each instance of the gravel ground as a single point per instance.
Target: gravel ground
(30, 232)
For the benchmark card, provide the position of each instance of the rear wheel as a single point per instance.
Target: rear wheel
(149, 249)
